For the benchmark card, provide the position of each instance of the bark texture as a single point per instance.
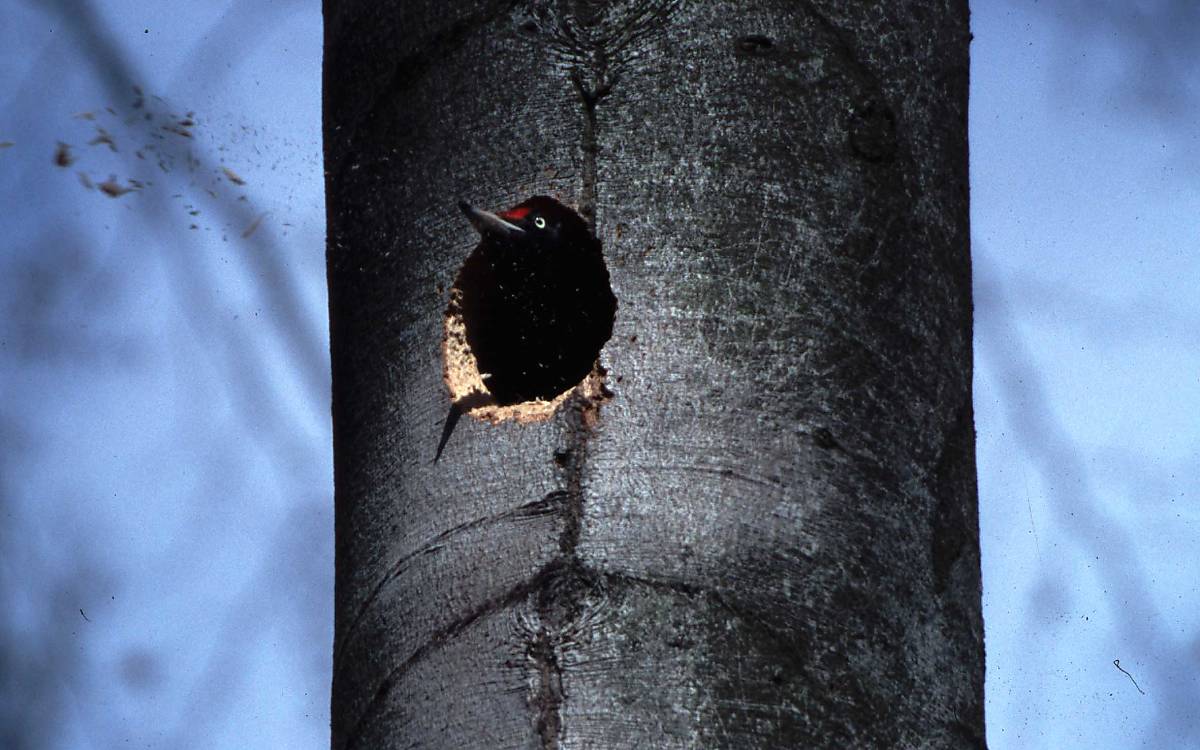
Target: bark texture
(766, 536)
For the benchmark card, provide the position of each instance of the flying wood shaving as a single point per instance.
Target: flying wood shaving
(253, 226)
(112, 189)
(177, 131)
(86, 181)
(103, 137)
(62, 155)
(233, 176)
(6, 144)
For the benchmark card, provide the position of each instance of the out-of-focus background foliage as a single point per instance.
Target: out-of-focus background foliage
(165, 474)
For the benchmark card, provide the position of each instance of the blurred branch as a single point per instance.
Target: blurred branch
(1100, 317)
(294, 573)
(1158, 44)
(42, 584)
(1030, 415)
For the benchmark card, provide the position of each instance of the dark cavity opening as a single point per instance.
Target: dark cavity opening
(537, 305)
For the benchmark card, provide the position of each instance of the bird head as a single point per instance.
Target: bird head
(539, 221)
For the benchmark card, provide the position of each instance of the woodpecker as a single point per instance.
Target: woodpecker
(536, 301)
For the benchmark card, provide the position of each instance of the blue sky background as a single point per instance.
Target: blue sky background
(166, 563)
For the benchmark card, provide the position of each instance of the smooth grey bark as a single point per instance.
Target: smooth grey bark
(767, 535)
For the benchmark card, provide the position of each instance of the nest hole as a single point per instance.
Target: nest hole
(521, 337)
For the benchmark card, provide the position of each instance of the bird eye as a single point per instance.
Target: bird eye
(539, 222)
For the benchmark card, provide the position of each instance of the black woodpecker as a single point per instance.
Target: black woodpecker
(536, 301)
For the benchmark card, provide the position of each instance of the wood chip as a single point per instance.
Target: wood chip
(113, 189)
(62, 155)
(103, 136)
(253, 226)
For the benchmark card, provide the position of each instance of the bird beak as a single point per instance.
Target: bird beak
(489, 223)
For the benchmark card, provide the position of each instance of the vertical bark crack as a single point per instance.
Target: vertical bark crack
(595, 40)
(550, 695)
(560, 600)
(590, 96)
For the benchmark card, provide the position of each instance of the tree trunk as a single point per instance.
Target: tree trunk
(756, 524)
